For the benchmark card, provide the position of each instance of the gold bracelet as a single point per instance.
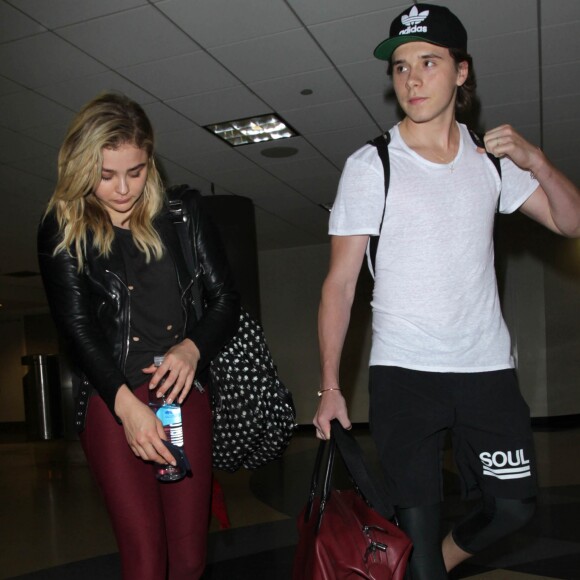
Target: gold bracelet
(324, 390)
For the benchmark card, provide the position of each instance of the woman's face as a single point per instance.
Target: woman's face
(122, 181)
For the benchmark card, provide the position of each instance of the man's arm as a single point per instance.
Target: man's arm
(346, 257)
(556, 202)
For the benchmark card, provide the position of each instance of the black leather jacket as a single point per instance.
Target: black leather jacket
(92, 309)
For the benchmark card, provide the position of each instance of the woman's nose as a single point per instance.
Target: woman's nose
(122, 185)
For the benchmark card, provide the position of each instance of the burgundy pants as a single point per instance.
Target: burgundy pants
(161, 528)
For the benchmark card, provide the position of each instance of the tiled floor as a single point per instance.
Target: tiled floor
(51, 513)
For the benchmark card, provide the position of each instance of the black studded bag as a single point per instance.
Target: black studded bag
(253, 412)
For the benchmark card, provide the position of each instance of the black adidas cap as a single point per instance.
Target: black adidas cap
(424, 23)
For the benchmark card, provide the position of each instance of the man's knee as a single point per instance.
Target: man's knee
(516, 513)
(496, 518)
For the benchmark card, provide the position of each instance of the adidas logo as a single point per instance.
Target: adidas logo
(412, 19)
(502, 465)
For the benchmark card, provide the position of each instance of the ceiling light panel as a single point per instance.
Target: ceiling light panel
(252, 130)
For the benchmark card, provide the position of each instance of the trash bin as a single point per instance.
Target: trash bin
(42, 402)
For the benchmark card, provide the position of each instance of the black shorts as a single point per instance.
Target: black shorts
(411, 412)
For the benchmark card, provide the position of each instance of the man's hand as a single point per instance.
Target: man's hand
(332, 406)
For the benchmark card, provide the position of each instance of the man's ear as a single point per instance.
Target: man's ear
(462, 72)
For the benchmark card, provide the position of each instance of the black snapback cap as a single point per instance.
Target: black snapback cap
(423, 23)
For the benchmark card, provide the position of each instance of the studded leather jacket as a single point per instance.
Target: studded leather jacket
(92, 308)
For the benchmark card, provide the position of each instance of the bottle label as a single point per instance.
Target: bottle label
(170, 417)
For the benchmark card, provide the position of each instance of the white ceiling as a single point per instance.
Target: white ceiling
(194, 62)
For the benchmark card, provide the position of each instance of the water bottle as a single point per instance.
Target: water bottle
(170, 416)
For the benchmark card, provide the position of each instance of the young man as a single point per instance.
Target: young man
(440, 357)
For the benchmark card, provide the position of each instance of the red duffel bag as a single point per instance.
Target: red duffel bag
(348, 534)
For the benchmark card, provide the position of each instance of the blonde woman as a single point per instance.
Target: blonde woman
(120, 293)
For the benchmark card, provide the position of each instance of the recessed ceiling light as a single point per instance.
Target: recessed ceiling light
(252, 130)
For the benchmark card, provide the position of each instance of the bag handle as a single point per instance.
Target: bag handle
(356, 465)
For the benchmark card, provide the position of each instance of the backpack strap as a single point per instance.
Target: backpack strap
(478, 140)
(382, 144)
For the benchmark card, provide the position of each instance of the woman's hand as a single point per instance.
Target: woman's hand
(332, 406)
(143, 430)
(177, 371)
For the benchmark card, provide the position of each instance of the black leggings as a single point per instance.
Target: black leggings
(493, 519)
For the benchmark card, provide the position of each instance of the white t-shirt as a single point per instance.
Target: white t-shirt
(435, 301)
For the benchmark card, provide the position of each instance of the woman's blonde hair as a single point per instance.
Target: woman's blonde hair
(107, 122)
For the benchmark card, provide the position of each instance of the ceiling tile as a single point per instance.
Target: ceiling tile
(78, 91)
(7, 86)
(15, 146)
(57, 13)
(165, 119)
(316, 12)
(133, 37)
(338, 145)
(369, 29)
(24, 110)
(220, 106)
(44, 166)
(174, 174)
(218, 22)
(51, 134)
(269, 57)
(31, 190)
(338, 115)
(384, 110)
(14, 24)
(252, 182)
(30, 61)
(190, 141)
(211, 165)
(304, 150)
(368, 77)
(285, 92)
(319, 189)
(494, 17)
(178, 76)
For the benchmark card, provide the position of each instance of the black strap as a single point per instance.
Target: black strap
(356, 465)
(382, 144)
(478, 140)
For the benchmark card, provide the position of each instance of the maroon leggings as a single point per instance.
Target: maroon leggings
(161, 528)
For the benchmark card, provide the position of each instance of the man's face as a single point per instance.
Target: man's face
(426, 78)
